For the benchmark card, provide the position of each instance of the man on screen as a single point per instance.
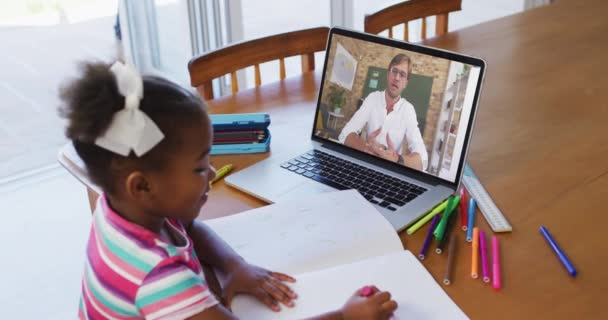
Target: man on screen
(388, 119)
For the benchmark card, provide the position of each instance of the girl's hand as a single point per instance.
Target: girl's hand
(265, 285)
(378, 305)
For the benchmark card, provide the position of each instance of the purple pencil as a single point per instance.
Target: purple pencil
(484, 257)
(429, 235)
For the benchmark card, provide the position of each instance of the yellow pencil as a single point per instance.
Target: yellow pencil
(223, 171)
(427, 218)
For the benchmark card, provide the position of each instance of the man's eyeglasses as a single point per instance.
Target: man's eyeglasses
(395, 72)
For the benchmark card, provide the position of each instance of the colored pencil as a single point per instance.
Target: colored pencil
(475, 254)
(495, 264)
(427, 240)
(447, 279)
(485, 273)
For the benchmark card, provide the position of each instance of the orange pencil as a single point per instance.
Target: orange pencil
(475, 254)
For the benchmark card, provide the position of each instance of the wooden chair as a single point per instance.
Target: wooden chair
(411, 10)
(206, 67)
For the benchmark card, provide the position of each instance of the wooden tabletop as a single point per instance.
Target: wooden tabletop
(539, 146)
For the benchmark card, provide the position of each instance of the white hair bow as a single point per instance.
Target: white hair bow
(131, 129)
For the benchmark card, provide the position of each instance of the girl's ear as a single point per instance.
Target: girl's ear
(138, 186)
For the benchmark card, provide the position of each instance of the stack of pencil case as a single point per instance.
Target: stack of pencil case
(240, 133)
(239, 136)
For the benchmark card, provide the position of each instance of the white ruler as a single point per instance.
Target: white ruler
(488, 208)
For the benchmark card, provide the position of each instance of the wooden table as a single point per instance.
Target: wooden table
(540, 147)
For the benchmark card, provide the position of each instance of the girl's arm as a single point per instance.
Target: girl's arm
(238, 275)
(211, 249)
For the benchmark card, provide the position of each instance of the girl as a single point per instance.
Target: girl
(146, 143)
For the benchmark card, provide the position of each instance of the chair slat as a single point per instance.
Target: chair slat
(258, 76)
(282, 68)
(423, 31)
(308, 62)
(206, 90)
(390, 32)
(406, 32)
(441, 24)
(234, 84)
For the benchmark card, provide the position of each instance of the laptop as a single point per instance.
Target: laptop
(393, 120)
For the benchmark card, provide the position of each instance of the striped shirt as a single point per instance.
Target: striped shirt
(132, 273)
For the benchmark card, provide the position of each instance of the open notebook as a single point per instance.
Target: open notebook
(332, 243)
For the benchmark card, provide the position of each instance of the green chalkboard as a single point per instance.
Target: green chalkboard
(417, 92)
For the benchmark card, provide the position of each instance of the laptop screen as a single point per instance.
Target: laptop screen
(403, 103)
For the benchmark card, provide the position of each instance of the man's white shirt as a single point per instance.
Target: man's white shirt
(399, 124)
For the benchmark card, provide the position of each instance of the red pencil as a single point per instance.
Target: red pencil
(464, 220)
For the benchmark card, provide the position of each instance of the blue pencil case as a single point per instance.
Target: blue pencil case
(241, 121)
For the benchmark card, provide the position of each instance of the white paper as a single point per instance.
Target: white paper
(400, 273)
(309, 234)
(344, 68)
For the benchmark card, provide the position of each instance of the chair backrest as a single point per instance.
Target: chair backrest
(228, 60)
(412, 10)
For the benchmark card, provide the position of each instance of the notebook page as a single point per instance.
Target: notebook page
(414, 289)
(309, 234)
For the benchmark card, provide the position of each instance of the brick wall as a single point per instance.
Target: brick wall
(366, 56)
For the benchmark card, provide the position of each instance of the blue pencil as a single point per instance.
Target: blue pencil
(429, 235)
(560, 254)
(471, 219)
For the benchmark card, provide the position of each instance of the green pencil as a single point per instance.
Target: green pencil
(444, 219)
(427, 218)
(449, 209)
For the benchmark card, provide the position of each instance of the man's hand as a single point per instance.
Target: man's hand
(387, 153)
(265, 285)
(353, 140)
(371, 145)
(371, 138)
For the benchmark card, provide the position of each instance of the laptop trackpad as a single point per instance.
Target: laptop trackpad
(303, 189)
(268, 181)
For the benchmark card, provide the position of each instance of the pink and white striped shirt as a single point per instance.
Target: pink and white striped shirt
(132, 273)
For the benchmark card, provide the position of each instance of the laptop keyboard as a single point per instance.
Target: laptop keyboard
(377, 187)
